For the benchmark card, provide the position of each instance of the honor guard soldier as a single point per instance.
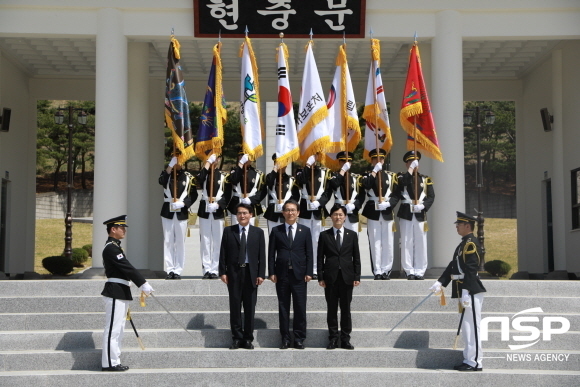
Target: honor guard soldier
(412, 216)
(289, 191)
(117, 294)
(379, 185)
(174, 216)
(247, 186)
(467, 289)
(313, 199)
(351, 198)
(211, 214)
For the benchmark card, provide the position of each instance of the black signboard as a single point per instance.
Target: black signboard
(267, 18)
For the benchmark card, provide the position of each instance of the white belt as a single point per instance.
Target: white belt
(119, 281)
(338, 201)
(405, 201)
(457, 276)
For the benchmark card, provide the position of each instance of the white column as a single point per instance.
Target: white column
(111, 126)
(559, 202)
(139, 175)
(447, 105)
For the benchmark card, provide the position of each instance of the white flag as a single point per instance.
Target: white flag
(378, 129)
(250, 103)
(312, 111)
(287, 149)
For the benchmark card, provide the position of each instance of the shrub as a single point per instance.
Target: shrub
(89, 249)
(497, 268)
(58, 265)
(79, 256)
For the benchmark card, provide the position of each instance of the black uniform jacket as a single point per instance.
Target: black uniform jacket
(252, 175)
(204, 181)
(299, 253)
(189, 199)
(425, 183)
(370, 182)
(255, 248)
(118, 266)
(272, 184)
(468, 254)
(320, 177)
(330, 259)
(338, 182)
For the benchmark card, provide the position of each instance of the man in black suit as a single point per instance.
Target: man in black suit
(243, 268)
(338, 274)
(290, 268)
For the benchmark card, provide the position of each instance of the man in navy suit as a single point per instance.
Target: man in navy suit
(290, 266)
(242, 267)
(338, 274)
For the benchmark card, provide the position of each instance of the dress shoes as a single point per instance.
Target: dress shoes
(117, 368)
(378, 277)
(248, 345)
(206, 275)
(419, 278)
(298, 345)
(235, 344)
(176, 277)
(285, 345)
(170, 276)
(467, 368)
(213, 276)
(410, 277)
(331, 344)
(346, 345)
(385, 276)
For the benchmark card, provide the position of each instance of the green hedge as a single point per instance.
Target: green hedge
(58, 265)
(497, 268)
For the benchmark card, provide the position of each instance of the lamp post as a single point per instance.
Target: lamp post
(59, 120)
(489, 120)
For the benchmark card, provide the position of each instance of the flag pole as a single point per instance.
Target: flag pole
(416, 170)
(344, 133)
(311, 167)
(379, 183)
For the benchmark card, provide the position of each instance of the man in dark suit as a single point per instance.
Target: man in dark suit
(243, 268)
(290, 268)
(338, 274)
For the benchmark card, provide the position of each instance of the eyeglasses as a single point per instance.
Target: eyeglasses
(243, 213)
(290, 211)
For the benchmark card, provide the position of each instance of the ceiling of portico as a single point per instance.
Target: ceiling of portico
(62, 57)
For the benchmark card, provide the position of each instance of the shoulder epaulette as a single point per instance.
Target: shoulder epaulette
(428, 180)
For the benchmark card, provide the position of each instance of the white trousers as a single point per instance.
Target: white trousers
(413, 246)
(210, 238)
(351, 226)
(174, 233)
(234, 220)
(115, 318)
(315, 229)
(271, 225)
(472, 353)
(381, 245)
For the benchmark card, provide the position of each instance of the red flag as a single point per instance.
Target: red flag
(415, 115)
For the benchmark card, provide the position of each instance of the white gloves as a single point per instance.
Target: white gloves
(383, 205)
(315, 205)
(349, 208)
(212, 207)
(414, 164)
(417, 208)
(436, 287)
(311, 160)
(244, 159)
(177, 205)
(378, 167)
(146, 288)
(245, 200)
(212, 158)
(346, 166)
(465, 298)
(173, 162)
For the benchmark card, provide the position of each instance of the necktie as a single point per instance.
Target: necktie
(338, 244)
(290, 238)
(242, 253)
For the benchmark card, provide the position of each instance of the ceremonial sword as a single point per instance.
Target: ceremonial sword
(458, 329)
(172, 316)
(412, 310)
(135, 329)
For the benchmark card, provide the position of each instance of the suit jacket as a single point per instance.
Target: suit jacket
(405, 180)
(118, 266)
(280, 252)
(255, 248)
(330, 259)
(189, 199)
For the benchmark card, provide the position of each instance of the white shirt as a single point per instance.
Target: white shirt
(247, 229)
(293, 229)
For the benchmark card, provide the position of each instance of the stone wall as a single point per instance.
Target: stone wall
(52, 205)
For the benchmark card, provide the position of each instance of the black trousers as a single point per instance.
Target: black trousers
(289, 288)
(242, 293)
(339, 293)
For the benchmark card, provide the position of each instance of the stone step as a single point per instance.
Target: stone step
(291, 377)
(93, 303)
(265, 338)
(443, 319)
(90, 360)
